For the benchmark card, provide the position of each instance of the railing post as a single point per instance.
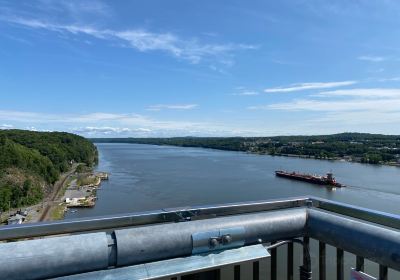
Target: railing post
(339, 264)
(322, 261)
(256, 270)
(236, 272)
(306, 246)
(359, 263)
(273, 263)
(383, 272)
(290, 261)
(305, 269)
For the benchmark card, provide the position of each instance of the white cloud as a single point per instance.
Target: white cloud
(309, 86)
(366, 118)
(375, 110)
(362, 92)
(360, 99)
(114, 124)
(394, 79)
(129, 119)
(133, 125)
(107, 130)
(350, 107)
(358, 104)
(159, 107)
(247, 93)
(371, 58)
(142, 40)
(6, 126)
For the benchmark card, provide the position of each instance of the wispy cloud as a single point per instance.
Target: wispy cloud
(372, 58)
(132, 121)
(142, 40)
(247, 93)
(159, 107)
(355, 109)
(309, 86)
(107, 130)
(359, 104)
(362, 92)
(393, 79)
(370, 99)
(128, 125)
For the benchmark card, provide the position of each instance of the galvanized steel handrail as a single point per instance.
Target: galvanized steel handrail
(192, 213)
(110, 222)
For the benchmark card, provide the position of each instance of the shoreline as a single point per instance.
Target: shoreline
(327, 159)
(393, 164)
(54, 206)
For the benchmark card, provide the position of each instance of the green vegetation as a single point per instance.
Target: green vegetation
(359, 147)
(30, 162)
(83, 168)
(84, 180)
(58, 212)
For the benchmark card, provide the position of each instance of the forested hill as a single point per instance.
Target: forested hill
(359, 147)
(30, 162)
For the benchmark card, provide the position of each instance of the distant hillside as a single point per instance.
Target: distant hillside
(359, 147)
(30, 162)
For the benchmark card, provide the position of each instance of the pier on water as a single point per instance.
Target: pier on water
(228, 241)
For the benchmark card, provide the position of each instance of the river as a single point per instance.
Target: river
(148, 177)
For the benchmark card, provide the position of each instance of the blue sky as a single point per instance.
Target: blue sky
(202, 68)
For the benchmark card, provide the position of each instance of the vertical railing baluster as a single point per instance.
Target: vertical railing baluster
(290, 261)
(322, 261)
(256, 270)
(306, 247)
(383, 272)
(359, 263)
(218, 275)
(273, 263)
(305, 268)
(236, 272)
(339, 264)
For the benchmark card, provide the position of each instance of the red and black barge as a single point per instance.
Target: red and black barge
(327, 180)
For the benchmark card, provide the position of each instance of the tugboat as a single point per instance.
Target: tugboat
(328, 180)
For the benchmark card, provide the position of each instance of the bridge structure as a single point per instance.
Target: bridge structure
(227, 241)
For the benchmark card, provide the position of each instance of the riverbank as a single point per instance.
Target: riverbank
(79, 192)
(70, 186)
(345, 159)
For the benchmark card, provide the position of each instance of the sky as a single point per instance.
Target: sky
(156, 68)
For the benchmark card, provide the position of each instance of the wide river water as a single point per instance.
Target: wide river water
(147, 177)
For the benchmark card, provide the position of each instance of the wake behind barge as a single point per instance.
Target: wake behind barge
(328, 180)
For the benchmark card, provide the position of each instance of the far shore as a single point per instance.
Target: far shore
(395, 164)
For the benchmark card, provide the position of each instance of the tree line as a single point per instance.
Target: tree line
(360, 147)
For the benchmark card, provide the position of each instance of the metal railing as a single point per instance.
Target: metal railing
(127, 240)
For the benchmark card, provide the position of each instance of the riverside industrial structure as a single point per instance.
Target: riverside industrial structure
(229, 241)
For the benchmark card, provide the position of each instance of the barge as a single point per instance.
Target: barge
(327, 180)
